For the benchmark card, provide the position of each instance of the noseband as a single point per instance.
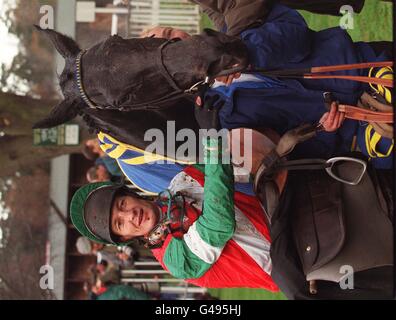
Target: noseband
(129, 105)
(80, 85)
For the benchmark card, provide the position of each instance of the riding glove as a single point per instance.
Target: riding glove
(207, 112)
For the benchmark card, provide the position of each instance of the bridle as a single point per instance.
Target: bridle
(203, 85)
(153, 104)
(80, 84)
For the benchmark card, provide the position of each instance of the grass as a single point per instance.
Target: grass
(245, 294)
(206, 22)
(374, 23)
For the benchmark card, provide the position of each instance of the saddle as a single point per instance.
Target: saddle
(333, 224)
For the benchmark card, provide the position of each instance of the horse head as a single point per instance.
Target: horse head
(122, 74)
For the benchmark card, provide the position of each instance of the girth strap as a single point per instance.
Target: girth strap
(286, 145)
(264, 185)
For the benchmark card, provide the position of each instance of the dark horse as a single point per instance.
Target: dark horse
(128, 86)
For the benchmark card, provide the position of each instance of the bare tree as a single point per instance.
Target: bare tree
(17, 115)
(34, 62)
(25, 231)
(21, 259)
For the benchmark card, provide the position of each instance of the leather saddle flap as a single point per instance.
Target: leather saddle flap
(318, 222)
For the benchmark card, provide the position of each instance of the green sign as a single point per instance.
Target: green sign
(63, 135)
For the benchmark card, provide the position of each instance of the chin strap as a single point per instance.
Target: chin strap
(172, 210)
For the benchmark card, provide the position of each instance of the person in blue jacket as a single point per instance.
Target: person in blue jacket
(284, 41)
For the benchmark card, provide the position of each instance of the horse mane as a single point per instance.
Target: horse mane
(138, 44)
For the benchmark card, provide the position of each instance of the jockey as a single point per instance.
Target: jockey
(202, 231)
(199, 229)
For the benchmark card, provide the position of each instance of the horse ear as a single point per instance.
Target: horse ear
(209, 32)
(66, 46)
(222, 37)
(63, 112)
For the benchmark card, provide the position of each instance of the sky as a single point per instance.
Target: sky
(9, 48)
(4, 214)
(9, 42)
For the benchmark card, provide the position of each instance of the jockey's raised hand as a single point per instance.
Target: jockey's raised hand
(227, 80)
(207, 112)
(332, 120)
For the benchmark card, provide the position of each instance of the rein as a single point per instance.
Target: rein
(361, 114)
(316, 73)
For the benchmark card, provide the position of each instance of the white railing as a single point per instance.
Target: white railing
(151, 278)
(175, 13)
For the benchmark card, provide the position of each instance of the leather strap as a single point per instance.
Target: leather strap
(314, 73)
(381, 82)
(286, 144)
(304, 164)
(352, 66)
(291, 138)
(361, 114)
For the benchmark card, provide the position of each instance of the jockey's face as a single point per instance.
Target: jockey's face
(167, 33)
(132, 217)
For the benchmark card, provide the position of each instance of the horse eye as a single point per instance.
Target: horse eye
(123, 100)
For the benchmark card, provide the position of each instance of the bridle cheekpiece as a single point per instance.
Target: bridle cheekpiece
(80, 85)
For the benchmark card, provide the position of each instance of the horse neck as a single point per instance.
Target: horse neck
(118, 124)
(185, 69)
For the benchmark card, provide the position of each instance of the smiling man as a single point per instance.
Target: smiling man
(132, 217)
(117, 214)
(199, 229)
